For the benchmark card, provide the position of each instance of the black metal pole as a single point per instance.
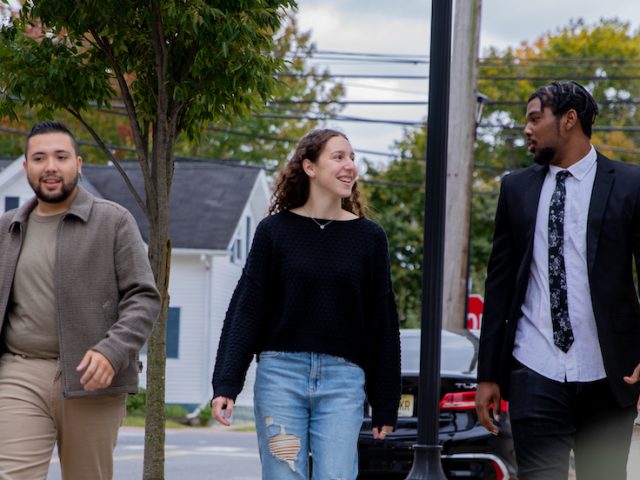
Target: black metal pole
(427, 463)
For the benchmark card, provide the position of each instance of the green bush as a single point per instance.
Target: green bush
(136, 407)
(204, 415)
(136, 403)
(175, 411)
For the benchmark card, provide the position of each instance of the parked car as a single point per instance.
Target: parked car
(468, 450)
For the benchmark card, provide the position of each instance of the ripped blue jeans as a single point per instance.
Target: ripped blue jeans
(308, 402)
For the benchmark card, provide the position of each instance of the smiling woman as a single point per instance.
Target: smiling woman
(315, 304)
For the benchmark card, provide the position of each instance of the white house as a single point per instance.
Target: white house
(214, 210)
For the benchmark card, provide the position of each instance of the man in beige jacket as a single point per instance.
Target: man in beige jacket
(77, 302)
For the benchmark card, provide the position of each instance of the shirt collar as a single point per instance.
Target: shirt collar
(579, 169)
(80, 207)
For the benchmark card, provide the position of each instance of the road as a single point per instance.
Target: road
(211, 453)
(191, 454)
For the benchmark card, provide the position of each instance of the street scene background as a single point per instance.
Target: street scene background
(367, 47)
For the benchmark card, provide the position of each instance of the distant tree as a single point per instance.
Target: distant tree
(266, 137)
(269, 135)
(605, 57)
(395, 196)
(175, 64)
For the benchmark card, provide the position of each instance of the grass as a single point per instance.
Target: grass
(244, 428)
(133, 421)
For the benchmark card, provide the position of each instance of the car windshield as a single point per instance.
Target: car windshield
(458, 351)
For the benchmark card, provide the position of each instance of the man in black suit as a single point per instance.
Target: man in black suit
(561, 325)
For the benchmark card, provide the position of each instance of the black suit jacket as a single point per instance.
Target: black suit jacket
(613, 241)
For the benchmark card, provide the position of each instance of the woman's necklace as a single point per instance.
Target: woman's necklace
(321, 225)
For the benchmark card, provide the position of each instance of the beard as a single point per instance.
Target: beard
(66, 189)
(545, 156)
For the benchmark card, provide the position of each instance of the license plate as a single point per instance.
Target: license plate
(406, 406)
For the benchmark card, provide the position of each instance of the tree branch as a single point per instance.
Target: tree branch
(161, 168)
(138, 138)
(113, 159)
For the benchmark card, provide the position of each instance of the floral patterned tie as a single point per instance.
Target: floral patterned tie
(562, 332)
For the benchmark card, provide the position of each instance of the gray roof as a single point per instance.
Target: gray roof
(5, 162)
(207, 199)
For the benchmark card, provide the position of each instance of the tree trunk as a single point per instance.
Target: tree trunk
(160, 259)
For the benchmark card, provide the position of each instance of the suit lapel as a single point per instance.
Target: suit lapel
(602, 184)
(531, 199)
(529, 213)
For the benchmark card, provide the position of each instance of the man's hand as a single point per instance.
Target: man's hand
(219, 404)
(488, 394)
(381, 433)
(98, 372)
(634, 378)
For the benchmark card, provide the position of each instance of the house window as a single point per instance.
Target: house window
(238, 249)
(173, 332)
(247, 231)
(11, 202)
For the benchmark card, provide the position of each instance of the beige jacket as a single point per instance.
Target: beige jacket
(105, 292)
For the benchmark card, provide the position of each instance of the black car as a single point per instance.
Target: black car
(468, 450)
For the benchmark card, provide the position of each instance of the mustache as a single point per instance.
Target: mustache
(51, 177)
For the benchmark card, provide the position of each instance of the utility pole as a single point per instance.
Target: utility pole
(462, 133)
(426, 461)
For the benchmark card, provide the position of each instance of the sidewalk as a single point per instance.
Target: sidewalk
(633, 465)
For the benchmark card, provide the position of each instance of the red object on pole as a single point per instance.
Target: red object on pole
(475, 307)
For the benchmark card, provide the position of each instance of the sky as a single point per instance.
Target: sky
(402, 28)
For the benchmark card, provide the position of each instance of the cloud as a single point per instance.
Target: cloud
(402, 27)
(338, 26)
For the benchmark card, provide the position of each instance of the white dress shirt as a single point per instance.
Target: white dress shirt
(534, 345)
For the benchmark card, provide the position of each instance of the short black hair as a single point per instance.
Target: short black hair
(49, 126)
(564, 96)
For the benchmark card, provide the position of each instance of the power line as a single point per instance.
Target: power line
(352, 102)
(602, 128)
(355, 75)
(525, 65)
(572, 60)
(122, 148)
(356, 60)
(236, 162)
(408, 123)
(425, 103)
(494, 78)
(372, 55)
(343, 118)
(550, 77)
(289, 140)
(387, 89)
(513, 59)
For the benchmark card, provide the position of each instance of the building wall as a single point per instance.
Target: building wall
(185, 375)
(16, 185)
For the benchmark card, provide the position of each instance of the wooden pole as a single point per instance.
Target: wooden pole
(461, 141)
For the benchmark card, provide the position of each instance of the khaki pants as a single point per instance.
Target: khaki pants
(34, 417)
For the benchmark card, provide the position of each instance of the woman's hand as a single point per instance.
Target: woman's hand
(219, 404)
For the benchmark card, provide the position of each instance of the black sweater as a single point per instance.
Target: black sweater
(304, 289)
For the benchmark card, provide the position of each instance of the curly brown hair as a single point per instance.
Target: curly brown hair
(292, 186)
